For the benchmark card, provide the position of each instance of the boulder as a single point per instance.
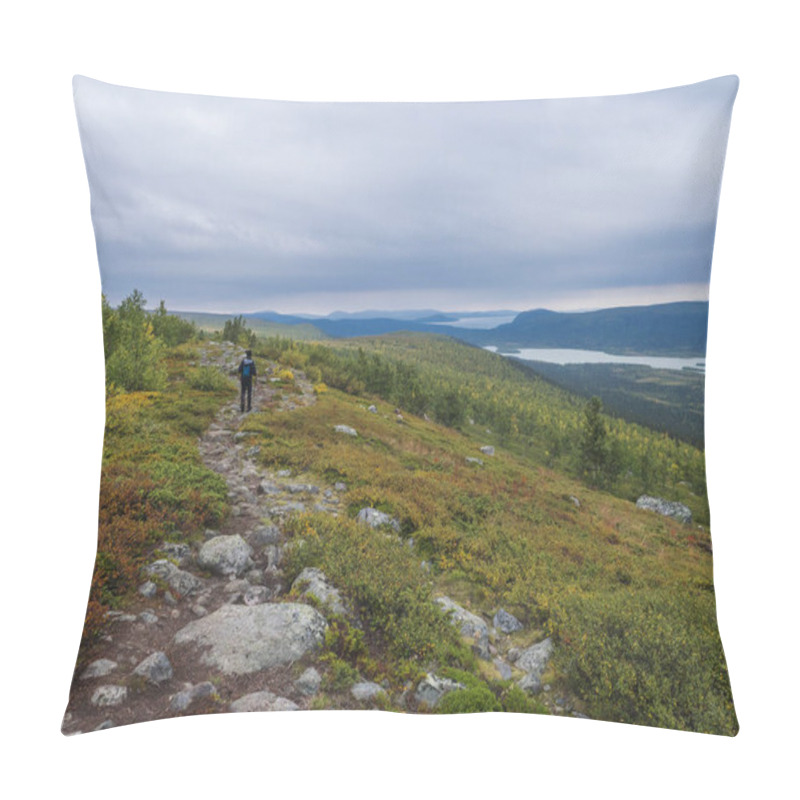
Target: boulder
(267, 534)
(239, 640)
(183, 699)
(177, 552)
(375, 518)
(487, 450)
(155, 668)
(309, 682)
(533, 662)
(667, 508)
(366, 690)
(470, 625)
(226, 555)
(346, 429)
(263, 701)
(313, 581)
(109, 695)
(99, 669)
(181, 582)
(505, 622)
(431, 689)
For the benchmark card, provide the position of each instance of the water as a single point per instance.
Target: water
(558, 355)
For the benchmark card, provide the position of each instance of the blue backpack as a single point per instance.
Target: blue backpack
(247, 365)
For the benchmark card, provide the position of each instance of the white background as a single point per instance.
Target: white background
(53, 383)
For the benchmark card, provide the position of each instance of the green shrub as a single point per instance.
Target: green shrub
(468, 701)
(208, 379)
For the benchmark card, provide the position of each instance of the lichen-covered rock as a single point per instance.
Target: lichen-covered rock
(470, 625)
(180, 581)
(155, 668)
(239, 640)
(487, 450)
(263, 701)
(309, 682)
(505, 622)
(226, 555)
(108, 695)
(183, 699)
(431, 689)
(346, 429)
(667, 508)
(99, 669)
(533, 662)
(313, 581)
(366, 690)
(376, 519)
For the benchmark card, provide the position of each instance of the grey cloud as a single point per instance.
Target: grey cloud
(204, 200)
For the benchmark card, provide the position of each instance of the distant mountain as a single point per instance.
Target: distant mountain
(669, 328)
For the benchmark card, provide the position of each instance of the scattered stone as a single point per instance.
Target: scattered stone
(274, 555)
(155, 668)
(366, 690)
(99, 669)
(183, 699)
(533, 661)
(253, 451)
(345, 429)
(109, 695)
(268, 487)
(667, 508)
(487, 450)
(505, 622)
(472, 460)
(269, 534)
(169, 599)
(373, 409)
(256, 595)
(503, 669)
(148, 589)
(177, 552)
(181, 582)
(226, 555)
(575, 501)
(284, 473)
(313, 581)
(198, 610)
(263, 701)
(431, 689)
(105, 725)
(255, 577)
(307, 488)
(375, 518)
(148, 617)
(240, 640)
(340, 487)
(470, 625)
(309, 682)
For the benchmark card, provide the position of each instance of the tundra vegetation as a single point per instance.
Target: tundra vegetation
(545, 528)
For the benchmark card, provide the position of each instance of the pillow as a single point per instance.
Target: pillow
(404, 407)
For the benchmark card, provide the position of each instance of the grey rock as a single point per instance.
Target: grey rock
(268, 487)
(99, 669)
(472, 460)
(373, 409)
(178, 552)
(531, 683)
(340, 487)
(148, 589)
(239, 640)
(284, 473)
(181, 582)
(226, 555)
(431, 689)
(305, 488)
(105, 725)
(255, 595)
(470, 625)
(253, 451)
(366, 690)
(237, 585)
(346, 429)
(575, 501)
(313, 581)
(503, 669)
(263, 701)
(183, 699)
(505, 622)
(309, 682)
(155, 668)
(533, 662)
(255, 577)
(487, 450)
(667, 508)
(375, 518)
(274, 555)
(148, 617)
(268, 534)
(109, 695)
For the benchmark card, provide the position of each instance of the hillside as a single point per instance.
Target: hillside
(413, 557)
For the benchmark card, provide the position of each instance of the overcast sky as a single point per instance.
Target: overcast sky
(237, 205)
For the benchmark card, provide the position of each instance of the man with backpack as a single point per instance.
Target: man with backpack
(247, 374)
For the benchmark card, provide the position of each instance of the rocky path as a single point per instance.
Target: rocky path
(210, 628)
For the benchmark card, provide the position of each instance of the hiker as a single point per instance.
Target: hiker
(247, 373)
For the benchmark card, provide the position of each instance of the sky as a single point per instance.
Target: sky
(232, 205)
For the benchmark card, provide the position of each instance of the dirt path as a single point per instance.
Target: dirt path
(259, 500)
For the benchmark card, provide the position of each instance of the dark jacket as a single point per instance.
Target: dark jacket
(251, 373)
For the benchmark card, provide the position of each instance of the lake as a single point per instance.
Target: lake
(557, 355)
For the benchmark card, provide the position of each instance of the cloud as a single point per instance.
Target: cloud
(215, 202)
